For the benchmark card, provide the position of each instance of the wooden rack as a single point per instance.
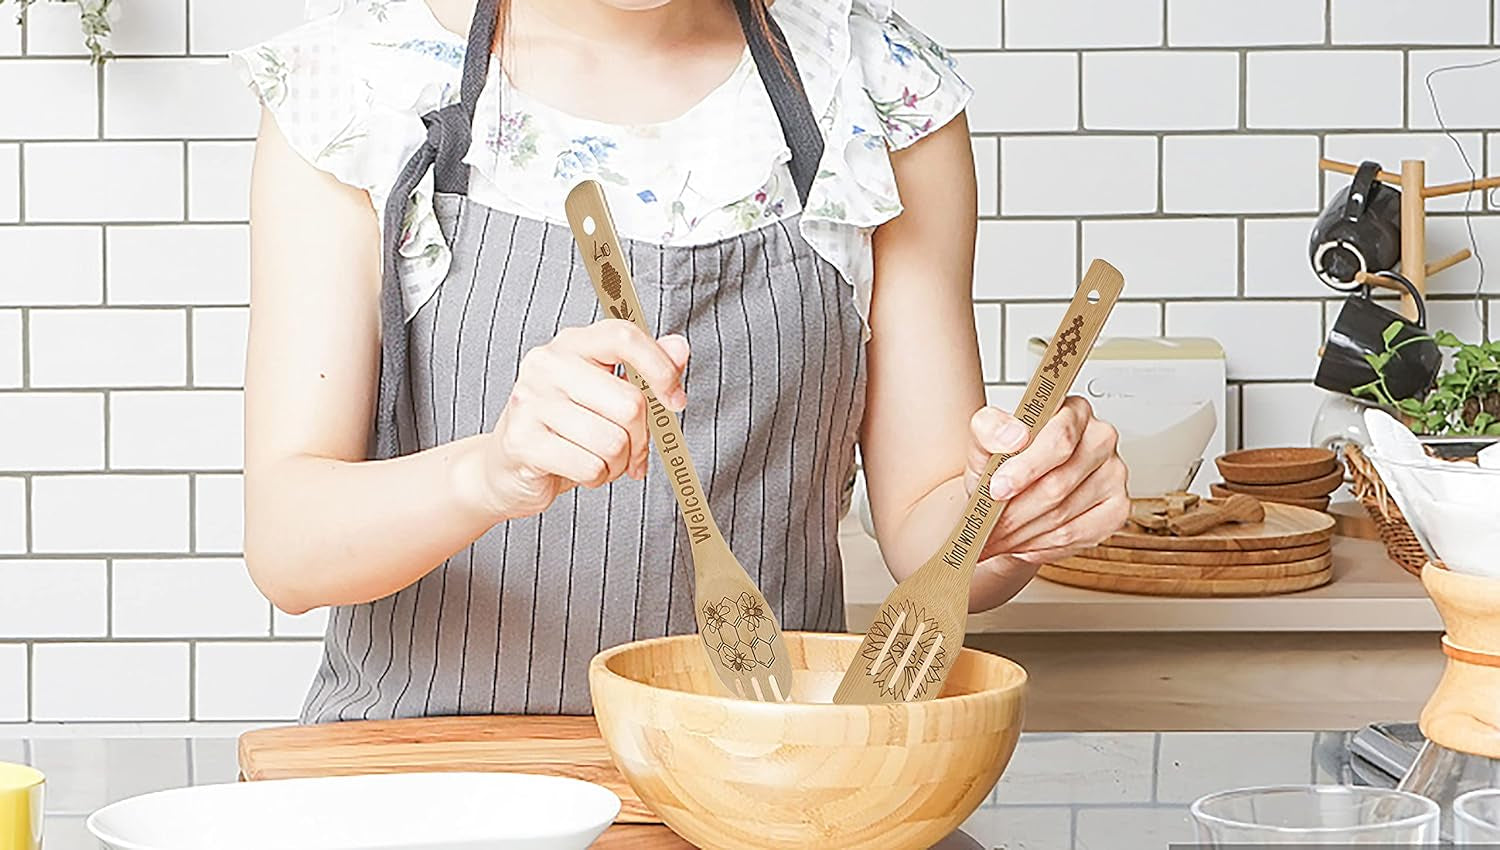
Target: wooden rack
(1414, 194)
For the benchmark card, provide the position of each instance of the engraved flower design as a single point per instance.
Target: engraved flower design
(900, 638)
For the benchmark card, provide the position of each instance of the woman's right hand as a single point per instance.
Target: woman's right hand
(571, 421)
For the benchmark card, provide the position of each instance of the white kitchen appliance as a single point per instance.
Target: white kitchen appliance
(1166, 396)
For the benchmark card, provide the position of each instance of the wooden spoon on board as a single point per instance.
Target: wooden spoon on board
(739, 629)
(921, 624)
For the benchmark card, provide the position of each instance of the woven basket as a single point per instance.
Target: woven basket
(1400, 541)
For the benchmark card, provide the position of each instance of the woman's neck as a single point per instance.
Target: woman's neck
(645, 27)
(621, 65)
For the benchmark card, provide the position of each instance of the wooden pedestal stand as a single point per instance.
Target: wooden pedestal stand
(1414, 195)
(1464, 711)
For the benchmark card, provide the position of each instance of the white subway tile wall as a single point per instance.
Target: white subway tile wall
(1176, 138)
(12, 349)
(47, 266)
(12, 516)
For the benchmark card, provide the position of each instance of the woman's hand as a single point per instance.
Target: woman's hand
(1064, 492)
(571, 421)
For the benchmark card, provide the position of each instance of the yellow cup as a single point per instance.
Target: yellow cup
(20, 807)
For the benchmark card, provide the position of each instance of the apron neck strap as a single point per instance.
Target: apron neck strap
(477, 56)
(778, 73)
(769, 49)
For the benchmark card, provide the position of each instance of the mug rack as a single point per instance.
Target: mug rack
(1412, 181)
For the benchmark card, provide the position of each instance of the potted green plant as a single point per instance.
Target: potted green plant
(1463, 402)
(93, 16)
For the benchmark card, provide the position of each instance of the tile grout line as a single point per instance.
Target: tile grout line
(1155, 767)
(20, 183)
(25, 315)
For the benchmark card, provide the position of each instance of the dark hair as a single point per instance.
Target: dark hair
(758, 9)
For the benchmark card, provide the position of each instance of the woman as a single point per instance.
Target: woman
(437, 444)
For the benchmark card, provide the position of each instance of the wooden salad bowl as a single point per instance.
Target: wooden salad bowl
(735, 774)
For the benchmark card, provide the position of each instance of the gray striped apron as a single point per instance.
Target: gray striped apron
(775, 391)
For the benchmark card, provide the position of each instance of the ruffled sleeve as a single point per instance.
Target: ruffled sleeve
(348, 90)
(888, 85)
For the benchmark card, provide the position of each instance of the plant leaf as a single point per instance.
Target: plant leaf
(1390, 332)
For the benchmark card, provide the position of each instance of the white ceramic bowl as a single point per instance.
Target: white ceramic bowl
(410, 811)
(1450, 505)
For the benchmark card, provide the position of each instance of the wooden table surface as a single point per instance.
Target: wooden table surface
(632, 836)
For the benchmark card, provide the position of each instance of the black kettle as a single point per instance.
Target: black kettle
(1359, 230)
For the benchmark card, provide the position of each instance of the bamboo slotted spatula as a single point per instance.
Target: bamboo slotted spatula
(920, 626)
(739, 630)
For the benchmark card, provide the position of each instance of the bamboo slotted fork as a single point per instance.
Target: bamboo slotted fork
(906, 655)
(738, 627)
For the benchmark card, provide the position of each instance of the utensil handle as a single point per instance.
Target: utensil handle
(1061, 362)
(594, 231)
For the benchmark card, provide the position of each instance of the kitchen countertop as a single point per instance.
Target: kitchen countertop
(1122, 791)
(1368, 593)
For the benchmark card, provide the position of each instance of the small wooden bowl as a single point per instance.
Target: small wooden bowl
(739, 775)
(1276, 466)
(1301, 490)
(1316, 503)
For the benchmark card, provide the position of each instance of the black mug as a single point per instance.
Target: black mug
(1359, 230)
(1360, 331)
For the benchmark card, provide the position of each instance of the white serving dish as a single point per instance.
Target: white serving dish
(1453, 506)
(410, 811)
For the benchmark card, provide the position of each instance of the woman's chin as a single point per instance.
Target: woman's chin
(636, 5)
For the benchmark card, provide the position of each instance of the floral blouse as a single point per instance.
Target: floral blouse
(348, 90)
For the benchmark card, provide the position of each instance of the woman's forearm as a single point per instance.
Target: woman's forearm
(321, 531)
(925, 526)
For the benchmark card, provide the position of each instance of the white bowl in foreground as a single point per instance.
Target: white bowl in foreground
(410, 811)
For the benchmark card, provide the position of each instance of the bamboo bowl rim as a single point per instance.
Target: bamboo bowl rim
(1013, 678)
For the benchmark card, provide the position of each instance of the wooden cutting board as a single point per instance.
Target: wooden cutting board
(1285, 526)
(1208, 559)
(1190, 571)
(555, 746)
(1185, 586)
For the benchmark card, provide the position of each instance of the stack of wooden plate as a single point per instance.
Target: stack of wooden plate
(1289, 551)
(1304, 477)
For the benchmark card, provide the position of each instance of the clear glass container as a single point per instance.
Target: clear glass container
(1315, 815)
(1445, 775)
(1476, 817)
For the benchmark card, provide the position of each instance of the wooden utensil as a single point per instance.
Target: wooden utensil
(737, 624)
(1185, 586)
(554, 746)
(729, 775)
(738, 627)
(1120, 554)
(1179, 571)
(920, 626)
(1284, 526)
(1235, 509)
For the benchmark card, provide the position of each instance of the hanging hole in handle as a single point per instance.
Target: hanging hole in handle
(588, 225)
(1093, 296)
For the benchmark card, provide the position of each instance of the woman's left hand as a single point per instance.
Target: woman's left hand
(1064, 492)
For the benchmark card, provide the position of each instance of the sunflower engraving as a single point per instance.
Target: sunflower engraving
(885, 630)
